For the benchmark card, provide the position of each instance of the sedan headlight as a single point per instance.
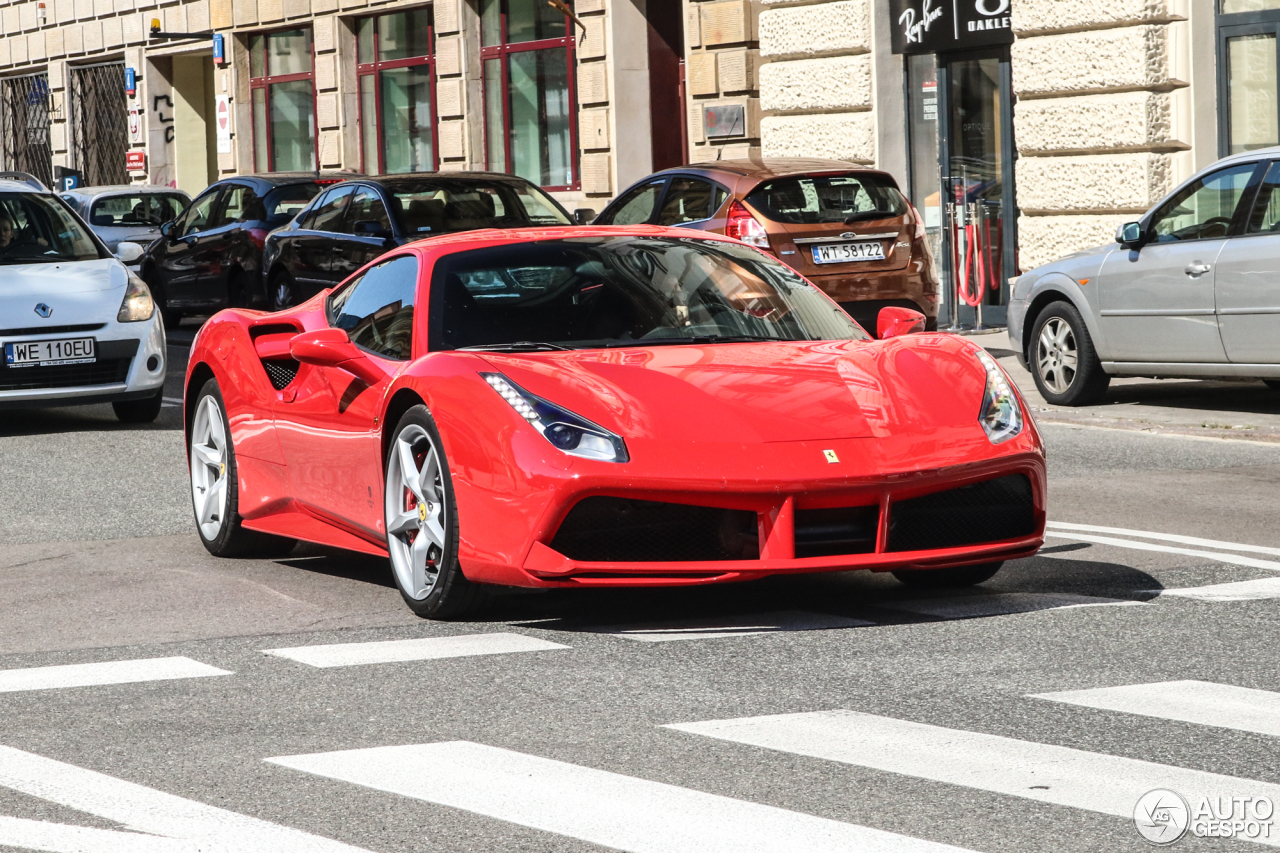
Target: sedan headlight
(1000, 416)
(138, 304)
(566, 431)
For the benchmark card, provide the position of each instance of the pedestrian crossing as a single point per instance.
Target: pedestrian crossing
(1204, 703)
(105, 672)
(424, 648)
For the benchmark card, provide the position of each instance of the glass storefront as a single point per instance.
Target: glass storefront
(527, 52)
(397, 92)
(1248, 71)
(283, 98)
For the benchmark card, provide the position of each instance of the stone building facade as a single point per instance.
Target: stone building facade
(1111, 104)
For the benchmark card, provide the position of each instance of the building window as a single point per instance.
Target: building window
(527, 54)
(1248, 69)
(396, 58)
(284, 101)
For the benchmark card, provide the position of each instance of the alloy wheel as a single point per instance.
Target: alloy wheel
(281, 292)
(209, 468)
(415, 512)
(1057, 357)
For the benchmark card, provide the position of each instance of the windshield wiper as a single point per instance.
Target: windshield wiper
(36, 259)
(518, 346)
(697, 339)
(869, 214)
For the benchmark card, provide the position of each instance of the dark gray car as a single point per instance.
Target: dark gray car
(127, 213)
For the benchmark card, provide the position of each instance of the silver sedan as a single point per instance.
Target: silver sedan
(131, 213)
(1188, 290)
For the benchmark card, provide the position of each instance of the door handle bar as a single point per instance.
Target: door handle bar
(1196, 269)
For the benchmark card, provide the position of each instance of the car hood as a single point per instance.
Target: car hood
(77, 291)
(762, 393)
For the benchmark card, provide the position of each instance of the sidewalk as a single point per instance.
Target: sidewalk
(1240, 410)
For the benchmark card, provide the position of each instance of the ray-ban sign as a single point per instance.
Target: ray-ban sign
(935, 26)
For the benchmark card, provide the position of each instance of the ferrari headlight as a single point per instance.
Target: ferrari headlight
(138, 304)
(566, 431)
(1001, 416)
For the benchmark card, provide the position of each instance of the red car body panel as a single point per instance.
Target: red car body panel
(732, 426)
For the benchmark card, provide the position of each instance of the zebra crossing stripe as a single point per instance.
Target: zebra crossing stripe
(998, 604)
(596, 806)
(1254, 590)
(1224, 706)
(108, 672)
(426, 648)
(1059, 775)
(1134, 545)
(1166, 537)
(732, 626)
(189, 826)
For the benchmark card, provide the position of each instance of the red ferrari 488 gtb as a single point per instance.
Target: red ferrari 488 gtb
(605, 406)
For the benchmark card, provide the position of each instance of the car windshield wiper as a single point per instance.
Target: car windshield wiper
(34, 259)
(697, 339)
(869, 214)
(518, 346)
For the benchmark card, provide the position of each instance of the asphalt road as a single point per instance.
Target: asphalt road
(568, 747)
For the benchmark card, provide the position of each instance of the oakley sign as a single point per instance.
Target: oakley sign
(937, 26)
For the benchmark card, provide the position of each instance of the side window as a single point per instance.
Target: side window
(241, 205)
(689, 200)
(199, 215)
(376, 310)
(328, 214)
(1265, 218)
(636, 207)
(1203, 209)
(366, 206)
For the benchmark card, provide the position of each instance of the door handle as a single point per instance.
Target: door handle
(1195, 269)
(337, 248)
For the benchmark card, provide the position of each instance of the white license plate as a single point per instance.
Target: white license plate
(843, 253)
(50, 353)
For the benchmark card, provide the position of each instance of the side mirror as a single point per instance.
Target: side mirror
(128, 252)
(894, 321)
(370, 228)
(584, 215)
(167, 228)
(333, 348)
(1130, 234)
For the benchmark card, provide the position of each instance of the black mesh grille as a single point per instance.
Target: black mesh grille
(104, 371)
(53, 330)
(985, 512)
(832, 532)
(621, 530)
(281, 372)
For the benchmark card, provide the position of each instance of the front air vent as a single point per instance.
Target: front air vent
(623, 530)
(837, 531)
(993, 511)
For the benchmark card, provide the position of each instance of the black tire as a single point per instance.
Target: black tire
(1273, 384)
(169, 316)
(142, 411)
(958, 576)
(1056, 381)
(232, 539)
(452, 596)
(282, 292)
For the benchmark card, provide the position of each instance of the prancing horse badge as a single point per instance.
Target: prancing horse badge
(831, 455)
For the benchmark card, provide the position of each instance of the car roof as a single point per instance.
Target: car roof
(279, 179)
(122, 189)
(512, 236)
(411, 177)
(9, 185)
(771, 167)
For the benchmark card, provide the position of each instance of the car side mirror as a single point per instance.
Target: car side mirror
(894, 321)
(333, 348)
(370, 228)
(584, 215)
(128, 252)
(1130, 234)
(167, 228)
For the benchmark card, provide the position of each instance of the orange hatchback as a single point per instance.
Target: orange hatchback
(846, 228)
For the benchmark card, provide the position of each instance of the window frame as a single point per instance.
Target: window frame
(378, 65)
(418, 339)
(265, 82)
(1234, 25)
(666, 193)
(502, 51)
(1239, 216)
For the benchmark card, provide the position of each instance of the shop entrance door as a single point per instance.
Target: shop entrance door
(961, 137)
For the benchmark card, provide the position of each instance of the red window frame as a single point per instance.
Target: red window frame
(364, 69)
(265, 83)
(501, 51)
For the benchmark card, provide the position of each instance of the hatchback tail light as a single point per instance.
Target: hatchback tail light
(258, 236)
(741, 225)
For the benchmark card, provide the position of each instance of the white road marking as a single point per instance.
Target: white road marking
(177, 400)
(1225, 706)
(1108, 784)
(427, 648)
(108, 672)
(202, 828)
(1168, 537)
(1254, 590)
(596, 806)
(731, 626)
(1167, 549)
(64, 838)
(999, 604)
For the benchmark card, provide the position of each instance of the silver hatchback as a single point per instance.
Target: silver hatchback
(1189, 290)
(127, 213)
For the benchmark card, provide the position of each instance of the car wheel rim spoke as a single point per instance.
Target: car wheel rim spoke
(415, 513)
(209, 469)
(409, 474)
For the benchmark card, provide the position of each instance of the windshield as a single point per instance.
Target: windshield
(592, 292)
(124, 211)
(818, 199)
(36, 228)
(283, 203)
(442, 205)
